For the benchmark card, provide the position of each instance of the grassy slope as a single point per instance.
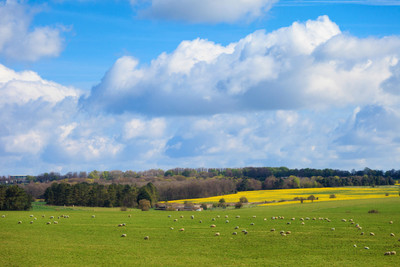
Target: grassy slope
(83, 240)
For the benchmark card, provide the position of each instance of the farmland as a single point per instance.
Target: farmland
(84, 239)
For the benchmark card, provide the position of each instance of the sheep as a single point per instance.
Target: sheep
(272, 218)
(169, 216)
(272, 230)
(302, 223)
(19, 222)
(301, 219)
(55, 222)
(288, 223)
(120, 225)
(218, 216)
(344, 220)
(254, 216)
(182, 229)
(213, 219)
(366, 247)
(362, 233)
(282, 232)
(192, 217)
(387, 253)
(48, 223)
(213, 226)
(351, 220)
(181, 216)
(293, 219)
(31, 222)
(227, 221)
(371, 234)
(217, 234)
(234, 233)
(328, 220)
(236, 227)
(265, 219)
(226, 216)
(393, 252)
(314, 219)
(200, 221)
(3, 216)
(252, 224)
(333, 229)
(31, 215)
(93, 216)
(355, 245)
(245, 232)
(172, 228)
(307, 218)
(288, 232)
(392, 234)
(43, 216)
(175, 220)
(391, 222)
(35, 218)
(51, 217)
(237, 216)
(123, 235)
(124, 224)
(146, 238)
(282, 218)
(129, 216)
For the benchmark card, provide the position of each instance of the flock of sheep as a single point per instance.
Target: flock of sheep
(244, 231)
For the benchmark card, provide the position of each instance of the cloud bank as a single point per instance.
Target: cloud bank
(18, 41)
(205, 11)
(306, 95)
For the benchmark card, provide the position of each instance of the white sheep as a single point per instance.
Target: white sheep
(48, 223)
(181, 216)
(288, 232)
(51, 217)
(175, 220)
(265, 219)
(93, 216)
(254, 216)
(192, 217)
(213, 226)
(371, 234)
(234, 233)
(293, 219)
(55, 222)
(227, 221)
(146, 238)
(393, 252)
(169, 216)
(236, 227)
(366, 247)
(355, 245)
(31, 215)
(172, 228)
(391, 222)
(302, 223)
(213, 219)
(3, 216)
(31, 222)
(123, 235)
(217, 234)
(218, 216)
(392, 234)
(19, 222)
(226, 216)
(237, 216)
(252, 224)
(182, 229)
(200, 221)
(273, 230)
(344, 220)
(333, 229)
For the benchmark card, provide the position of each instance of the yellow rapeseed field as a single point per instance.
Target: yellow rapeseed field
(285, 196)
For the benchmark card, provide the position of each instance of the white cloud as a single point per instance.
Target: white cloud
(18, 41)
(205, 11)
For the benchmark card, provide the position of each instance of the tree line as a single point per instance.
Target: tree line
(98, 195)
(14, 197)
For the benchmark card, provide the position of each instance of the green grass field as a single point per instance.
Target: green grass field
(82, 240)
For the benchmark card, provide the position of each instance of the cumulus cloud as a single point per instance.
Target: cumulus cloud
(306, 65)
(18, 41)
(205, 11)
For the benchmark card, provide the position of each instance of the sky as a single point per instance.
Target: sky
(143, 84)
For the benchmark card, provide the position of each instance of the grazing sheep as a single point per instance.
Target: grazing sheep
(146, 238)
(192, 217)
(172, 228)
(181, 216)
(288, 232)
(392, 234)
(360, 228)
(254, 216)
(391, 222)
(31, 215)
(366, 247)
(55, 222)
(355, 245)
(218, 216)
(237, 216)
(288, 223)
(302, 223)
(213, 226)
(48, 223)
(226, 216)
(123, 235)
(129, 216)
(273, 230)
(175, 220)
(265, 219)
(35, 218)
(120, 225)
(169, 216)
(182, 229)
(301, 219)
(234, 233)
(314, 219)
(43, 216)
(371, 234)
(307, 218)
(362, 233)
(217, 234)
(252, 224)
(282, 232)
(236, 227)
(227, 221)
(124, 224)
(19, 222)
(282, 218)
(293, 219)
(393, 252)
(93, 216)
(352, 222)
(245, 232)
(200, 221)
(387, 253)
(333, 229)
(272, 218)
(31, 222)
(213, 219)
(51, 217)
(344, 220)
(328, 220)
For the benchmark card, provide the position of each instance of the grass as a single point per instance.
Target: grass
(83, 240)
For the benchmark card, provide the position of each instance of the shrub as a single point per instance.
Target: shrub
(387, 194)
(238, 205)
(204, 206)
(332, 196)
(123, 208)
(144, 204)
(243, 200)
(373, 211)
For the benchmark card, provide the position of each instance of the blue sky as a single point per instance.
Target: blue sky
(142, 84)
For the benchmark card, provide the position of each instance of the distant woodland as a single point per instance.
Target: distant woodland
(118, 188)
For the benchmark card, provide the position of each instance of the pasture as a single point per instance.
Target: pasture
(84, 239)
